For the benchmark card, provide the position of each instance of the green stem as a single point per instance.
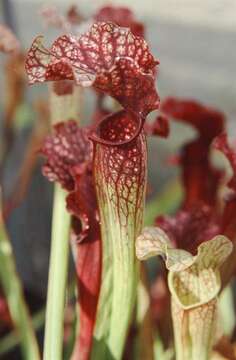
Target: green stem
(53, 342)
(15, 299)
(11, 340)
(125, 275)
(101, 331)
(145, 344)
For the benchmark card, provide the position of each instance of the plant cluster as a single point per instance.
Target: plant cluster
(101, 176)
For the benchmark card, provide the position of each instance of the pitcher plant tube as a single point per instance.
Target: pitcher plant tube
(104, 169)
(198, 242)
(194, 283)
(203, 182)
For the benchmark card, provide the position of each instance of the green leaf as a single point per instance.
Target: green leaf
(13, 292)
(58, 269)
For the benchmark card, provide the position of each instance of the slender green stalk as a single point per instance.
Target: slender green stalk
(62, 108)
(15, 299)
(145, 343)
(125, 279)
(101, 331)
(53, 342)
(11, 340)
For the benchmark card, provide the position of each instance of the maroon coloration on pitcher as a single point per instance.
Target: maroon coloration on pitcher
(121, 16)
(201, 218)
(119, 64)
(62, 88)
(159, 127)
(123, 167)
(208, 121)
(228, 223)
(82, 204)
(5, 316)
(119, 128)
(187, 229)
(108, 57)
(199, 177)
(69, 158)
(221, 144)
(68, 147)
